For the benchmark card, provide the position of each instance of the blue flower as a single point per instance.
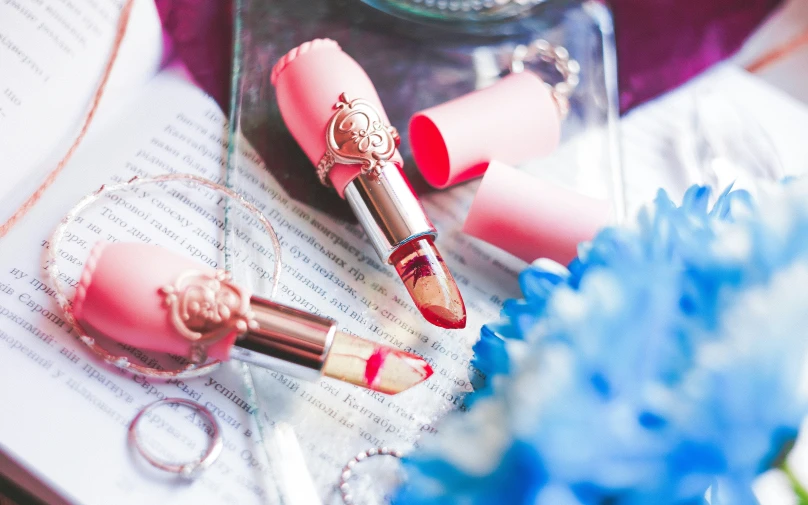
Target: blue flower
(662, 364)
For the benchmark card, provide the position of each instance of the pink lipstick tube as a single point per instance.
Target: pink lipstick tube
(148, 297)
(532, 218)
(315, 80)
(332, 109)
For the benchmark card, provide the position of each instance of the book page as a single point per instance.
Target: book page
(52, 54)
(66, 414)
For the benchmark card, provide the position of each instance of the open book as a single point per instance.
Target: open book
(65, 414)
(51, 57)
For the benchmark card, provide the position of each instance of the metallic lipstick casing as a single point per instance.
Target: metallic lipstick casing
(388, 210)
(333, 110)
(285, 339)
(148, 297)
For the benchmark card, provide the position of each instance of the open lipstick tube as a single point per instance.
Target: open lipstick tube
(333, 111)
(148, 297)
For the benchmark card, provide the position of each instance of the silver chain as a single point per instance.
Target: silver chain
(559, 57)
(347, 471)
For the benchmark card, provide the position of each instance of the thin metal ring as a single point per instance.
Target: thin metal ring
(347, 470)
(53, 271)
(192, 468)
(568, 68)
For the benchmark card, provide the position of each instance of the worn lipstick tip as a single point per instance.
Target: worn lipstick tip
(374, 366)
(456, 324)
(427, 371)
(445, 317)
(430, 284)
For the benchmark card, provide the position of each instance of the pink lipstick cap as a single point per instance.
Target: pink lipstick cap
(122, 295)
(308, 81)
(514, 120)
(531, 218)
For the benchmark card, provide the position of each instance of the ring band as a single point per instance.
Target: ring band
(324, 167)
(191, 468)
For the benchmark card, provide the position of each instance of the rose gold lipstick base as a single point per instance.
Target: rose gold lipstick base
(307, 346)
(285, 339)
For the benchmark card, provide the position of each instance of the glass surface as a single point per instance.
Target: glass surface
(416, 62)
(415, 66)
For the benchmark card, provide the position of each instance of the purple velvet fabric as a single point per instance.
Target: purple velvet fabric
(663, 43)
(660, 43)
(201, 32)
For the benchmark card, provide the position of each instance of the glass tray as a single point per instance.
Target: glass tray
(415, 62)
